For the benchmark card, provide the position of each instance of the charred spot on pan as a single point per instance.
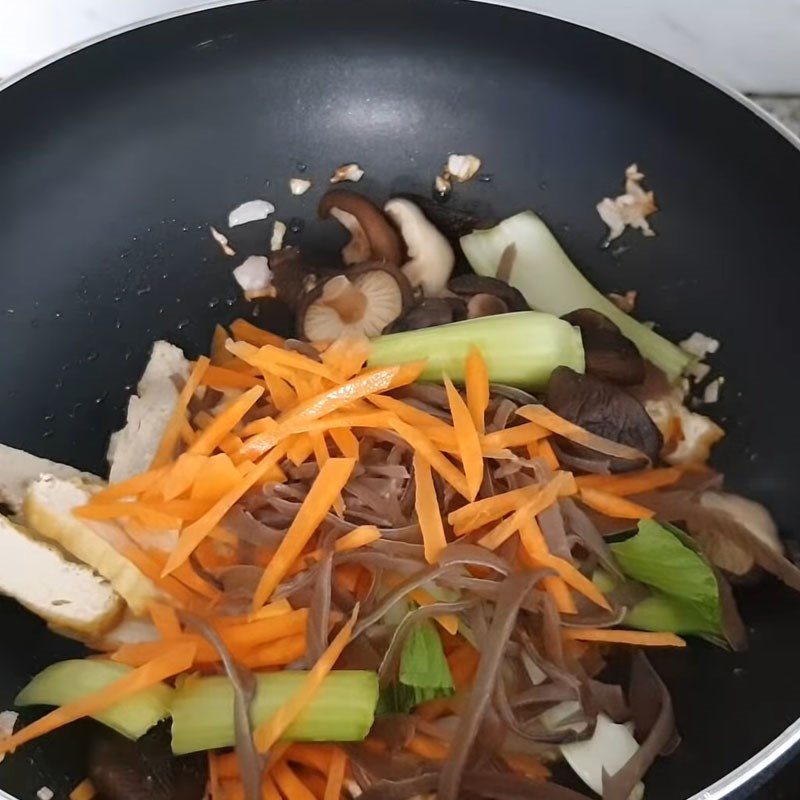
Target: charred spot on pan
(610, 356)
(604, 410)
(146, 769)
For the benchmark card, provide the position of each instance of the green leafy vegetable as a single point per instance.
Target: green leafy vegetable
(550, 282)
(520, 349)
(424, 672)
(686, 593)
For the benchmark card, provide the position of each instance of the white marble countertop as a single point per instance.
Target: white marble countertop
(752, 45)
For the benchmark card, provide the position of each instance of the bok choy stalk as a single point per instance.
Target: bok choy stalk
(342, 711)
(520, 349)
(550, 282)
(68, 681)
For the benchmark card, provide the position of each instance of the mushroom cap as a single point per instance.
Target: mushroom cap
(384, 242)
(609, 354)
(471, 284)
(364, 300)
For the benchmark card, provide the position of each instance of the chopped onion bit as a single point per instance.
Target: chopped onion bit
(253, 274)
(630, 209)
(251, 211)
(462, 167)
(347, 172)
(700, 345)
(278, 234)
(222, 241)
(299, 186)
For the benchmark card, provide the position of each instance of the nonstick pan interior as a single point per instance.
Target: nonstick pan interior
(114, 161)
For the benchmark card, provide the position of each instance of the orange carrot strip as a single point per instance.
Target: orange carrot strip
(276, 360)
(613, 506)
(291, 787)
(427, 508)
(548, 455)
(425, 447)
(463, 663)
(276, 654)
(169, 440)
(326, 488)
(562, 484)
(448, 621)
(477, 386)
(165, 619)
(197, 531)
(475, 515)
(218, 354)
(227, 765)
(526, 765)
(427, 747)
(151, 568)
(187, 432)
(222, 378)
(358, 537)
(346, 441)
(146, 516)
(569, 430)
(316, 756)
(347, 355)
(262, 631)
(438, 431)
(216, 476)
(336, 773)
(301, 449)
(312, 780)
(321, 454)
(225, 421)
(367, 383)
(83, 791)
(266, 734)
(281, 394)
(518, 436)
(245, 331)
(632, 482)
(269, 791)
(616, 636)
(469, 442)
(538, 555)
(130, 487)
(179, 659)
(182, 474)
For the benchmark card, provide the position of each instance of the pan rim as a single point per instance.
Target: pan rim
(761, 765)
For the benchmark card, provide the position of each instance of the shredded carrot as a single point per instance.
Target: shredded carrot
(130, 487)
(427, 508)
(538, 555)
(315, 756)
(632, 482)
(225, 421)
(187, 432)
(276, 360)
(469, 442)
(217, 352)
(614, 506)
(615, 636)
(562, 484)
(182, 474)
(216, 476)
(302, 448)
(463, 663)
(281, 394)
(146, 516)
(518, 436)
(227, 766)
(547, 454)
(431, 710)
(527, 765)
(475, 515)
(245, 331)
(437, 430)
(557, 589)
(427, 450)
(197, 531)
(569, 430)
(266, 734)
(326, 488)
(367, 383)
(427, 747)
(165, 619)
(476, 382)
(347, 355)
(177, 660)
(291, 787)
(222, 378)
(312, 780)
(352, 540)
(321, 454)
(172, 432)
(276, 654)
(346, 441)
(83, 791)
(269, 791)
(336, 773)
(424, 598)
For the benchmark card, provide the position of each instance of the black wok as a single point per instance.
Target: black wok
(114, 160)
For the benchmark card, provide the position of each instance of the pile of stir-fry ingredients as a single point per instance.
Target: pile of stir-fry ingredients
(390, 558)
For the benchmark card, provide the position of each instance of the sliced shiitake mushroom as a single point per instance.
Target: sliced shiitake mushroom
(431, 312)
(609, 355)
(469, 285)
(605, 410)
(364, 300)
(121, 769)
(372, 236)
